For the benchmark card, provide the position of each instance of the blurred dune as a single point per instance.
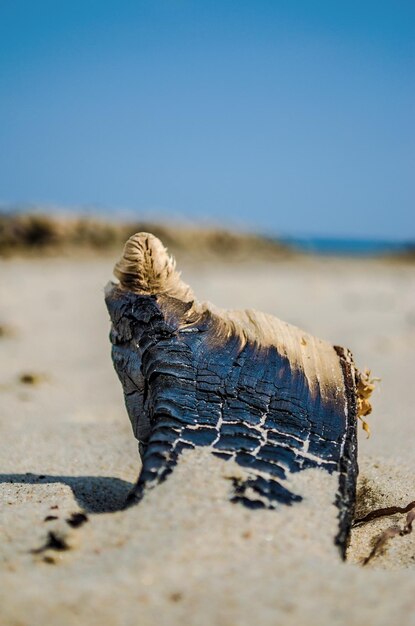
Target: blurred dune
(37, 233)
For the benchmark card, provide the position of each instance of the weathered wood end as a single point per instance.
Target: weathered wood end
(243, 385)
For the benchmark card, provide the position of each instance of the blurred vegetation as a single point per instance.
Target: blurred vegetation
(41, 234)
(408, 253)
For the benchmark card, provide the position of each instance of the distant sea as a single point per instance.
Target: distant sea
(348, 246)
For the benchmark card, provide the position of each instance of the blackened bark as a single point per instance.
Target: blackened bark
(191, 380)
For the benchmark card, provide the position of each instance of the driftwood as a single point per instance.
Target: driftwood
(242, 384)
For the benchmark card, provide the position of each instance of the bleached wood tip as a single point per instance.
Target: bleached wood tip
(146, 268)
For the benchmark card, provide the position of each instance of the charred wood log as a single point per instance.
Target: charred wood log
(242, 384)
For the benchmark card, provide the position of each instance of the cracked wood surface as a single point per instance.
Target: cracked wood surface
(244, 385)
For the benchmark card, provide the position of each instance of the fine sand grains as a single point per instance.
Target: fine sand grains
(185, 555)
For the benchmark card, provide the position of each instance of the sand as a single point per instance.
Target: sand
(185, 555)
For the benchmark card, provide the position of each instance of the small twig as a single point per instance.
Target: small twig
(389, 510)
(391, 532)
(407, 529)
(381, 541)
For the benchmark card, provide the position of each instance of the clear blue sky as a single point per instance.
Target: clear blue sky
(292, 117)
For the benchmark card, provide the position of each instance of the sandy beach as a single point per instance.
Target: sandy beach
(185, 555)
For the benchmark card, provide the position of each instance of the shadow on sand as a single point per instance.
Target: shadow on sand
(95, 494)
